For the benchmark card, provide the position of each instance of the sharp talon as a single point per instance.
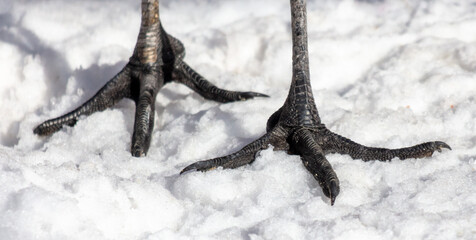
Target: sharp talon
(261, 95)
(250, 95)
(42, 130)
(137, 152)
(333, 191)
(188, 168)
(440, 145)
(36, 131)
(198, 166)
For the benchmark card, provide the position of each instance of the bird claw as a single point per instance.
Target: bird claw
(202, 166)
(331, 189)
(438, 145)
(189, 168)
(41, 130)
(138, 151)
(242, 96)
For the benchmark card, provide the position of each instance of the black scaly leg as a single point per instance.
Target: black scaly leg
(297, 128)
(157, 60)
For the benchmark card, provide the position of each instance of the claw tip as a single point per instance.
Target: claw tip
(138, 153)
(443, 145)
(256, 94)
(333, 191)
(186, 169)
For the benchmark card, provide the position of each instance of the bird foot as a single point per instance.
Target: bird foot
(141, 81)
(297, 128)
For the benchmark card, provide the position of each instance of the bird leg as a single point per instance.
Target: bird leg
(157, 60)
(297, 128)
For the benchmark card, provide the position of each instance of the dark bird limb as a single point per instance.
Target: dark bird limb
(157, 60)
(297, 128)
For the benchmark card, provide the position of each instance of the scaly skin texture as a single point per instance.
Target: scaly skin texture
(297, 128)
(157, 60)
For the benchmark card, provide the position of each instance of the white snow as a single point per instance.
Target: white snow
(388, 73)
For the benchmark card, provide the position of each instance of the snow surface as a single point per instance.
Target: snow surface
(384, 73)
